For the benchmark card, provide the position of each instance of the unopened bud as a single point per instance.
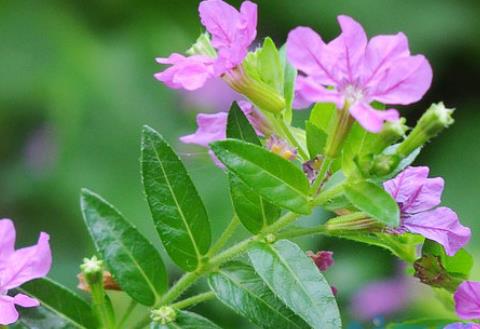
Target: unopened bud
(109, 282)
(270, 238)
(392, 131)
(202, 47)
(384, 164)
(322, 259)
(163, 315)
(92, 270)
(429, 270)
(432, 122)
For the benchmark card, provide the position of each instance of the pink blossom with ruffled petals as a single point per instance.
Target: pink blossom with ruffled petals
(460, 325)
(354, 71)
(323, 259)
(467, 300)
(232, 32)
(418, 198)
(17, 267)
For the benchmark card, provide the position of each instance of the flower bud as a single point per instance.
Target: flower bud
(259, 93)
(163, 315)
(202, 47)
(384, 164)
(92, 270)
(429, 270)
(432, 122)
(322, 259)
(392, 131)
(109, 282)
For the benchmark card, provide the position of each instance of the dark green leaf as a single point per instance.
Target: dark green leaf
(134, 262)
(239, 287)
(60, 308)
(316, 139)
(178, 212)
(323, 115)
(253, 211)
(295, 279)
(422, 324)
(274, 178)
(374, 201)
(186, 320)
(239, 127)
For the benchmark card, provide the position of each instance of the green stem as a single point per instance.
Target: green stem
(101, 306)
(328, 195)
(285, 220)
(194, 300)
(127, 314)
(226, 235)
(179, 287)
(322, 174)
(289, 136)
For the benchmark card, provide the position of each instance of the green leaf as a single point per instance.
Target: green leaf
(316, 139)
(458, 265)
(239, 127)
(270, 66)
(240, 288)
(295, 279)
(422, 324)
(405, 162)
(177, 210)
(274, 178)
(254, 212)
(374, 201)
(134, 262)
(290, 75)
(60, 308)
(186, 320)
(323, 115)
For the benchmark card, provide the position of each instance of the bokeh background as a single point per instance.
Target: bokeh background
(76, 86)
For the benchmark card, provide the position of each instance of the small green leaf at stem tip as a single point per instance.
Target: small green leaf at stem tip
(178, 212)
(274, 178)
(60, 308)
(374, 201)
(294, 278)
(239, 127)
(129, 256)
(238, 286)
(316, 139)
(290, 76)
(186, 320)
(269, 65)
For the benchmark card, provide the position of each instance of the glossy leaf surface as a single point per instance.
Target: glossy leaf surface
(134, 262)
(177, 210)
(187, 320)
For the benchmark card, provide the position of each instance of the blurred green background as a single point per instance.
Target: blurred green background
(76, 85)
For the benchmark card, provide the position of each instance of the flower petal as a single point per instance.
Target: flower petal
(440, 225)
(8, 313)
(189, 73)
(467, 300)
(404, 82)
(370, 118)
(381, 52)
(7, 238)
(460, 325)
(414, 191)
(25, 301)
(308, 53)
(211, 128)
(27, 264)
(307, 91)
(350, 48)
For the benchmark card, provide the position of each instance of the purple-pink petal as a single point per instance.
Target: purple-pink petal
(414, 191)
(211, 128)
(27, 264)
(25, 301)
(7, 239)
(441, 225)
(467, 300)
(460, 325)
(308, 91)
(371, 119)
(8, 313)
(189, 73)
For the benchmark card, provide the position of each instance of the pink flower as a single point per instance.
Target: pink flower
(17, 267)
(460, 325)
(418, 197)
(467, 300)
(232, 32)
(352, 71)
